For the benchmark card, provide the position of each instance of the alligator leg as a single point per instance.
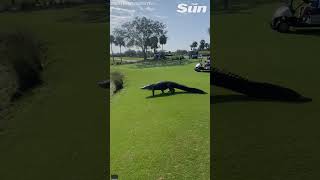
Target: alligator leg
(152, 92)
(162, 91)
(171, 90)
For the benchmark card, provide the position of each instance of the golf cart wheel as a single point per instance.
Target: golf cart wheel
(283, 27)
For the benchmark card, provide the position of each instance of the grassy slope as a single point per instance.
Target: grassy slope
(266, 140)
(165, 137)
(61, 131)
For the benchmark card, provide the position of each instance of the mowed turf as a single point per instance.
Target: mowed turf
(166, 137)
(60, 130)
(266, 140)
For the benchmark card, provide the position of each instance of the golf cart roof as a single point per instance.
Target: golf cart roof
(204, 53)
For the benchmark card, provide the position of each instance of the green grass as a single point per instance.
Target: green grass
(160, 138)
(266, 140)
(60, 131)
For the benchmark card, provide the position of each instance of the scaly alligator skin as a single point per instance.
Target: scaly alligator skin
(259, 90)
(171, 86)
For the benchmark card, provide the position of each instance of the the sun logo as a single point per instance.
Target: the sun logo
(193, 8)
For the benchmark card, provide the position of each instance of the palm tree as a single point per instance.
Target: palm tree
(163, 40)
(147, 44)
(207, 46)
(119, 41)
(202, 45)
(154, 43)
(112, 41)
(194, 45)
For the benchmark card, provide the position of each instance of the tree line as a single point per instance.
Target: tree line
(203, 45)
(142, 33)
(139, 53)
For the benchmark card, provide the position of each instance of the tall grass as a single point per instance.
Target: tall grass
(24, 54)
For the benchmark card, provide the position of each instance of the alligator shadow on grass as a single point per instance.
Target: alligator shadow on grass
(234, 98)
(168, 94)
(306, 32)
(252, 90)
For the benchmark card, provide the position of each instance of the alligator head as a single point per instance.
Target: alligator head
(148, 87)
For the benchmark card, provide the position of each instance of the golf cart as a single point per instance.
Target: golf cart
(203, 67)
(302, 14)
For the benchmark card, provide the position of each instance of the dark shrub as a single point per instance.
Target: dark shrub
(117, 80)
(4, 6)
(8, 84)
(26, 55)
(176, 57)
(26, 5)
(162, 55)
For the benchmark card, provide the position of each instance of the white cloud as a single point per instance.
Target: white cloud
(161, 17)
(150, 9)
(121, 12)
(117, 9)
(116, 20)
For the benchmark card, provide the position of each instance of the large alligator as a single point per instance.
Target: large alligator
(227, 80)
(259, 90)
(171, 86)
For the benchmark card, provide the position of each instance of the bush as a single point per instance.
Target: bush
(117, 81)
(8, 85)
(4, 6)
(25, 54)
(177, 57)
(162, 55)
(27, 5)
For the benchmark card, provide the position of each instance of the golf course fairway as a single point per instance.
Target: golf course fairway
(161, 137)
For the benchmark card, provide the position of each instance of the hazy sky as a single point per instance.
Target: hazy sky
(183, 28)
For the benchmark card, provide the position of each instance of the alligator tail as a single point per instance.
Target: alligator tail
(189, 89)
(255, 89)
